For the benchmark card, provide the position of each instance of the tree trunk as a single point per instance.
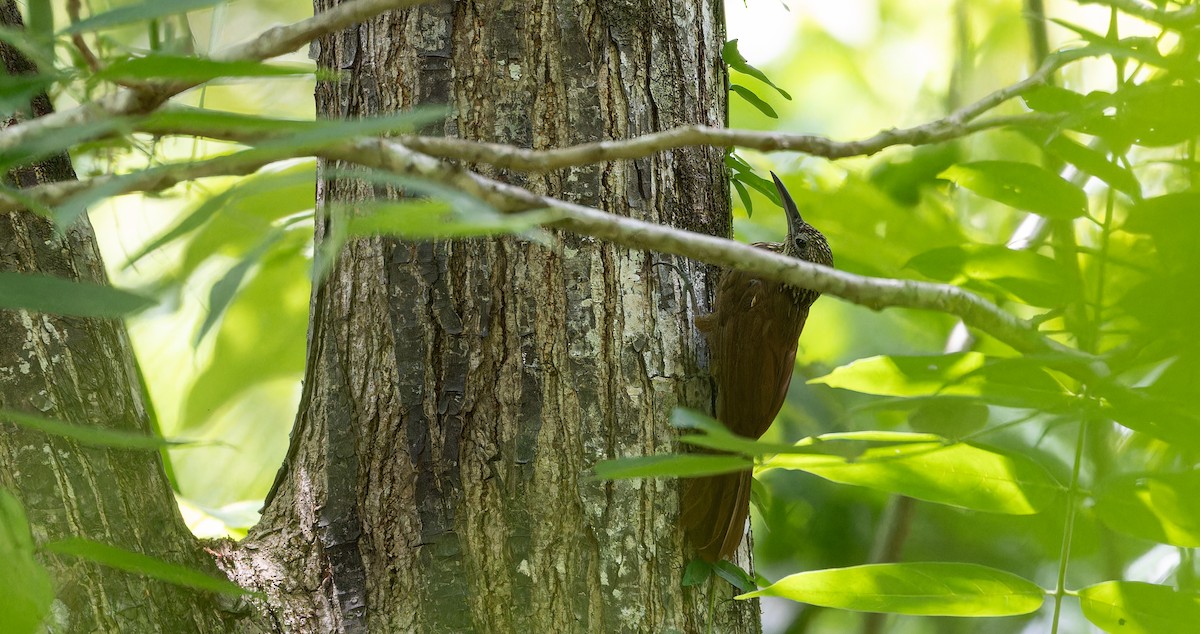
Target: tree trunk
(458, 392)
(82, 370)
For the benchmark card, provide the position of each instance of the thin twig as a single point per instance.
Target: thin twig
(85, 52)
(1179, 19)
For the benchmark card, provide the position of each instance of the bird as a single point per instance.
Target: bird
(752, 330)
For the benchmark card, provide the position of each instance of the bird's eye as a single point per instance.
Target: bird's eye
(801, 242)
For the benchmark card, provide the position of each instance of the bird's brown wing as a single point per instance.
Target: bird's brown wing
(752, 337)
(714, 513)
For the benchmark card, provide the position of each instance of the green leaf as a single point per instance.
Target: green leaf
(1022, 186)
(755, 100)
(138, 563)
(733, 58)
(440, 219)
(737, 577)
(697, 572)
(58, 296)
(1158, 507)
(24, 583)
(1053, 100)
(670, 465)
(930, 589)
(1012, 382)
(1133, 607)
(949, 417)
(743, 196)
(1095, 163)
(1027, 276)
(224, 290)
(193, 69)
(140, 12)
(88, 434)
(964, 475)
(253, 203)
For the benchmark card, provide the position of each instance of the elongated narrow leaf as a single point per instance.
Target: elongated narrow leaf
(224, 290)
(737, 577)
(670, 466)
(138, 12)
(1158, 507)
(438, 219)
(1021, 185)
(1092, 162)
(58, 296)
(733, 57)
(961, 474)
(1131, 607)
(87, 434)
(197, 69)
(24, 582)
(931, 589)
(130, 561)
(754, 100)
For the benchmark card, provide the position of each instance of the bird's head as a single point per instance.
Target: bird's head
(803, 240)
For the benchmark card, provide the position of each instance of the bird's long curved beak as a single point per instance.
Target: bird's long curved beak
(789, 207)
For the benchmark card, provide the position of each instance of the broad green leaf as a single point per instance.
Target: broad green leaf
(1011, 382)
(1025, 275)
(930, 589)
(670, 465)
(733, 57)
(224, 289)
(949, 417)
(139, 12)
(754, 100)
(1022, 186)
(194, 69)
(1053, 99)
(439, 219)
(1158, 507)
(58, 296)
(961, 474)
(1089, 161)
(1133, 607)
(744, 173)
(138, 563)
(1173, 220)
(24, 582)
(88, 434)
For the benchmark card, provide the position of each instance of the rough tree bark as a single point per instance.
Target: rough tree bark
(458, 392)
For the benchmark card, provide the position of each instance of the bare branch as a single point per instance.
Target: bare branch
(526, 160)
(143, 99)
(876, 293)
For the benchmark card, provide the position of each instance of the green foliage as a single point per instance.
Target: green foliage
(941, 589)
(1131, 607)
(28, 591)
(138, 563)
(47, 294)
(87, 434)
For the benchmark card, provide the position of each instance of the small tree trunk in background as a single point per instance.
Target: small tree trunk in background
(82, 370)
(458, 392)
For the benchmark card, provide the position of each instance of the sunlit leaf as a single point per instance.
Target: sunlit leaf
(1090, 161)
(1022, 186)
(671, 465)
(1158, 507)
(138, 12)
(1012, 382)
(949, 417)
(960, 474)
(24, 582)
(195, 69)
(941, 589)
(224, 289)
(1132, 607)
(88, 434)
(58, 296)
(138, 563)
(1025, 275)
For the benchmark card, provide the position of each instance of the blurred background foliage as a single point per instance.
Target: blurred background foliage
(224, 357)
